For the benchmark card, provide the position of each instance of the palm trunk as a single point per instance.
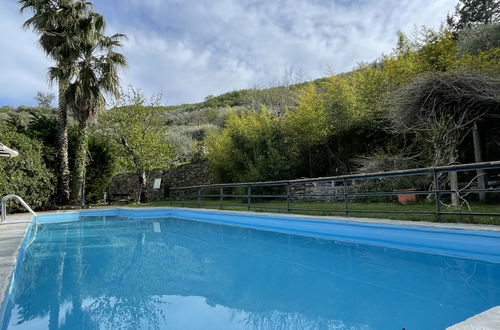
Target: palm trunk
(80, 164)
(63, 191)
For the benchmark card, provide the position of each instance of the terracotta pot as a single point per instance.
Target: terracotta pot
(406, 198)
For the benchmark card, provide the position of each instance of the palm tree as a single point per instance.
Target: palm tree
(58, 23)
(95, 73)
(86, 68)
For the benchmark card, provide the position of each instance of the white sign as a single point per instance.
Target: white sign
(157, 183)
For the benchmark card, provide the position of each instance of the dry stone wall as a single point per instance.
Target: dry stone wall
(124, 186)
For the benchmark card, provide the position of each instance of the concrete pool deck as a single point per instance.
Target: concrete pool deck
(13, 231)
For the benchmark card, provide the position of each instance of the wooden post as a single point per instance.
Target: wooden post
(478, 157)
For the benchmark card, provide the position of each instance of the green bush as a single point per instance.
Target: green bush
(25, 175)
(100, 168)
(251, 147)
(231, 99)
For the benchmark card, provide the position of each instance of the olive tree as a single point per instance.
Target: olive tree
(140, 137)
(475, 39)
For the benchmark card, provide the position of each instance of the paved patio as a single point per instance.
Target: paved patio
(12, 233)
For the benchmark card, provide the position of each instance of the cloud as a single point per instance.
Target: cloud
(190, 49)
(23, 65)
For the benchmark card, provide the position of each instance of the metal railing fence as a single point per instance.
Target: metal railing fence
(437, 186)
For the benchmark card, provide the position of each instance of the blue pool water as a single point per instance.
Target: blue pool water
(160, 271)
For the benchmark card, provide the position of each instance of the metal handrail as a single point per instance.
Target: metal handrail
(343, 180)
(377, 175)
(23, 203)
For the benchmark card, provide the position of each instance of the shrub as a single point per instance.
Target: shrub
(231, 99)
(100, 168)
(186, 139)
(25, 175)
(251, 147)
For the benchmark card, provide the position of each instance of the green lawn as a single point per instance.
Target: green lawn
(329, 208)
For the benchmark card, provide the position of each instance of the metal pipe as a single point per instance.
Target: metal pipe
(221, 191)
(288, 197)
(199, 196)
(435, 176)
(346, 199)
(417, 171)
(433, 172)
(23, 203)
(249, 197)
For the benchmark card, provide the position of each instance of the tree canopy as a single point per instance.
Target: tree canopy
(139, 135)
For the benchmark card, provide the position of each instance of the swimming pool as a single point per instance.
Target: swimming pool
(187, 269)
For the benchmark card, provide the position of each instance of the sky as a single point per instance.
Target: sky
(189, 49)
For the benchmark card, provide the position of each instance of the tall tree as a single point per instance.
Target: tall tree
(470, 12)
(44, 99)
(307, 123)
(58, 23)
(95, 73)
(71, 33)
(140, 136)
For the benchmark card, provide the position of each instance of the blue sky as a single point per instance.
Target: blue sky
(193, 48)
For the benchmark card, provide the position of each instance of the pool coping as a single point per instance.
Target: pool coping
(376, 221)
(12, 235)
(487, 320)
(21, 223)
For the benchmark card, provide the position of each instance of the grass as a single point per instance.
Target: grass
(337, 209)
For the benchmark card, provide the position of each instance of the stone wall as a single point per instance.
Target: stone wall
(317, 190)
(124, 186)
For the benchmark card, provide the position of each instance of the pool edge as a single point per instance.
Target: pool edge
(9, 268)
(374, 221)
(487, 320)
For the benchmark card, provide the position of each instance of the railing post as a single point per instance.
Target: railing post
(4, 210)
(437, 194)
(288, 197)
(199, 197)
(249, 196)
(183, 197)
(221, 192)
(346, 199)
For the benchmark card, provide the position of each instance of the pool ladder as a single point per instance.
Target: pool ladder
(23, 203)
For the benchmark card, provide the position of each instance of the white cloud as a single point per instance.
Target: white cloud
(190, 49)
(23, 66)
